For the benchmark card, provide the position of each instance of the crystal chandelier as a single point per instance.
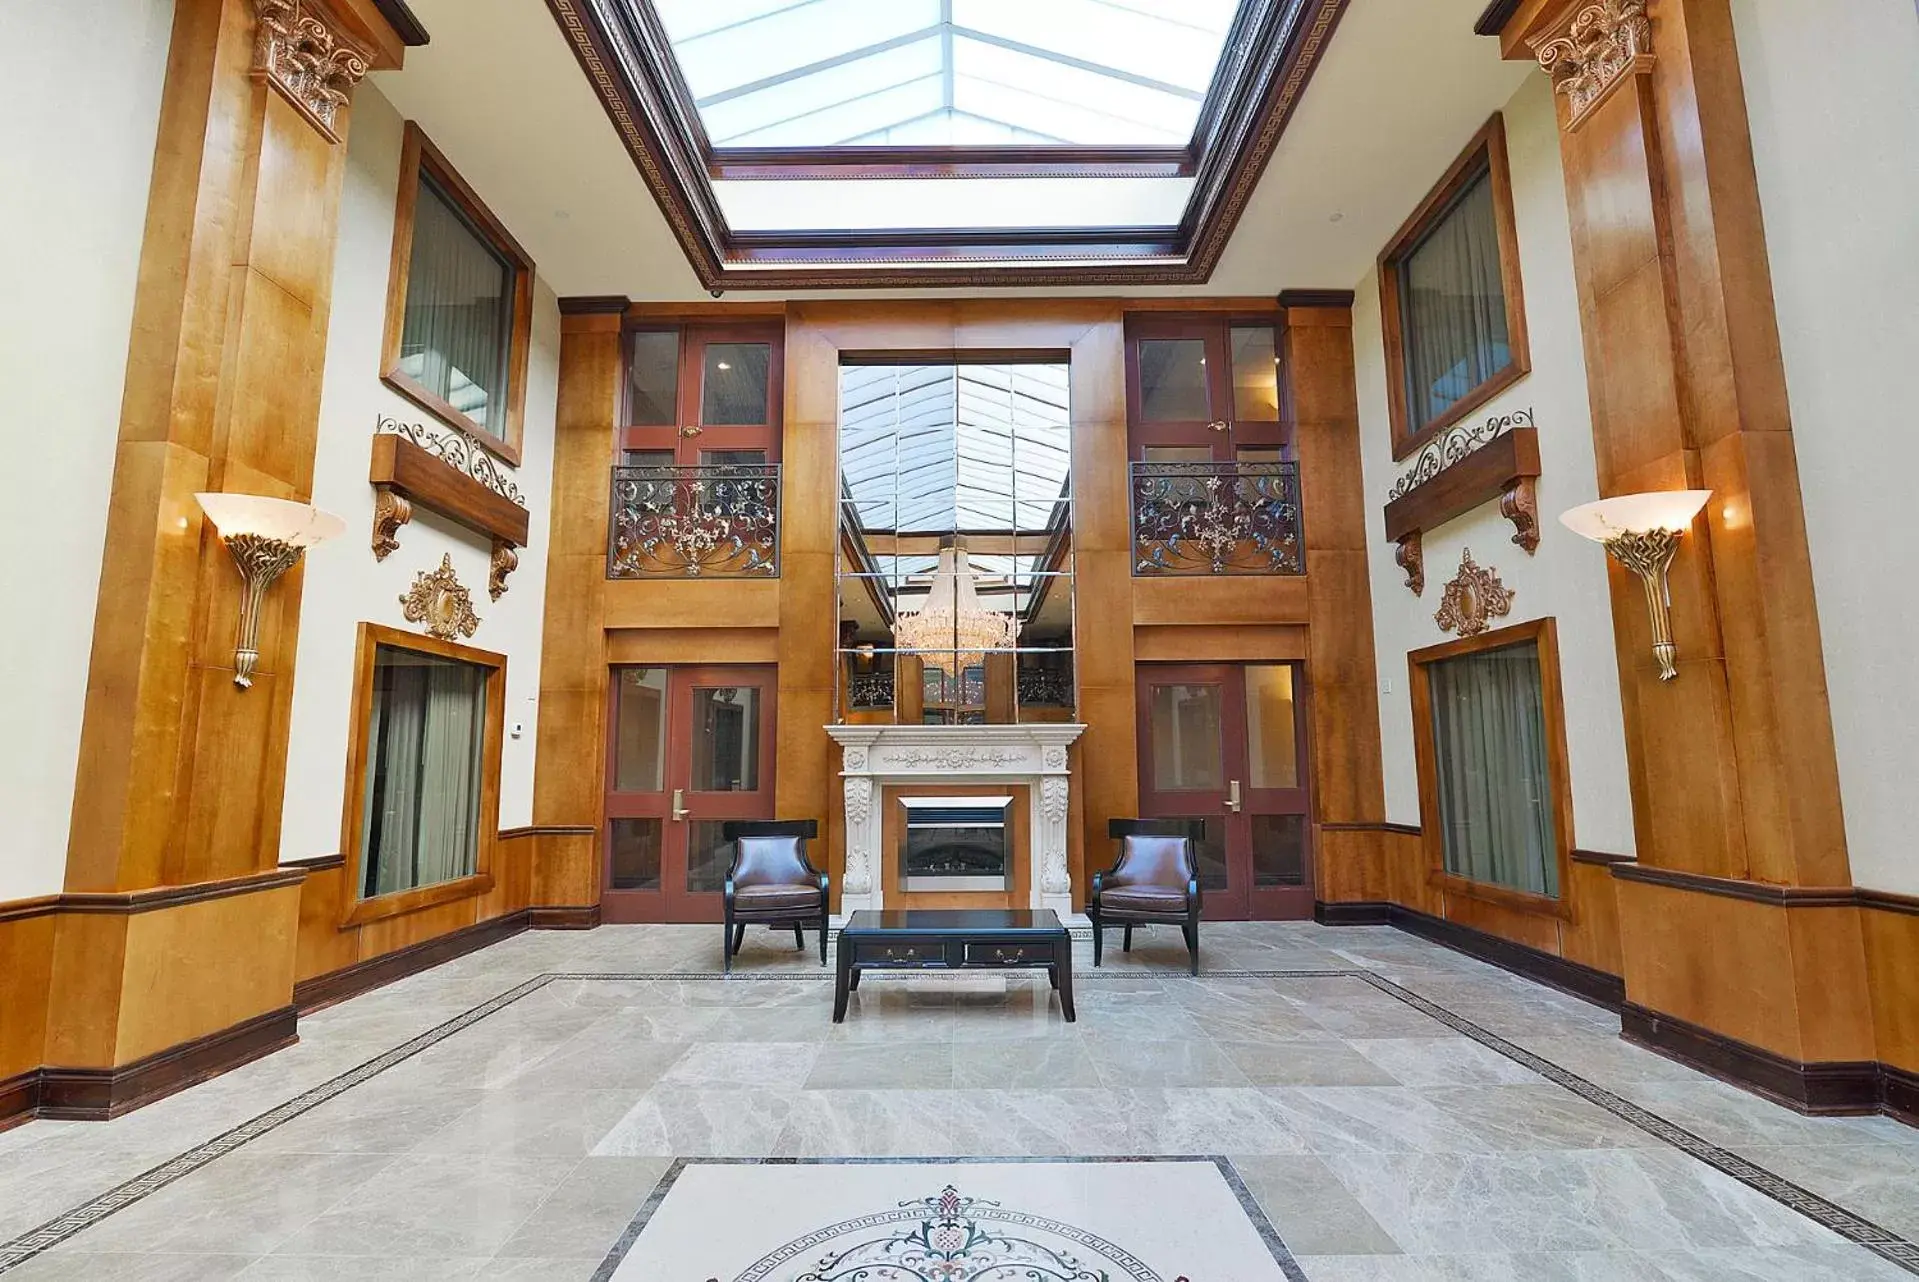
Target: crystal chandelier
(952, 618)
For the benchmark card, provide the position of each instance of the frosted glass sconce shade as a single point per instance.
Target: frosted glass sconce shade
(266, 538)
(1642, 533)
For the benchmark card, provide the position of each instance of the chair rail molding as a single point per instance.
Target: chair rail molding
(1033, 755)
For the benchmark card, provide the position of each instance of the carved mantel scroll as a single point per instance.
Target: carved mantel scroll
(449, 473)
(301, 49)
(1465, 466)
(1603, 45)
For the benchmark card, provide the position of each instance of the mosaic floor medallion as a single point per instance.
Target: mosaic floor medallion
(1063, 1220)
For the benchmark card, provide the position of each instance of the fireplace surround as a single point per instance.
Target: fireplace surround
(982, 761)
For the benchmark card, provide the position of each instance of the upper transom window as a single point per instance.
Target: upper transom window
(948, 73)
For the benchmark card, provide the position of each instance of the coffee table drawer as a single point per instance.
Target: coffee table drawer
(902, 953)
(1009, 954)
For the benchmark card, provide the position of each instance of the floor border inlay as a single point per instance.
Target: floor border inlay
(1855, 1228)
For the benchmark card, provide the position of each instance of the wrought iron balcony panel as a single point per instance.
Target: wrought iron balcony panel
(1216, 518)
(696, 522)
(1045, 687)
(870, 690)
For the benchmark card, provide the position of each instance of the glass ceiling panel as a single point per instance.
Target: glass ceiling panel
(819, 73)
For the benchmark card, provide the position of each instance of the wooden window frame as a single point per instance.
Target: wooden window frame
(352, 837)
(417, 155)
(1544, 633)
(1485, 154)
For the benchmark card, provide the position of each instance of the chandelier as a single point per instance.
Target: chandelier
(952, 618)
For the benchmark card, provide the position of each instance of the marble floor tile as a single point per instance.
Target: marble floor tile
(1124, 1063)
(1327, 1063)
(1373, 1119)
(766, 1065)
(1450, 1060)
(532, 1121)
(668, 1122)
(1310, 1207)
(1054, 1063)
(1535, 1115)
(586, 1214)
(435, 1207)
(898, 1065)
(1880, 1181)
(1222, 1119)
(80, 1266)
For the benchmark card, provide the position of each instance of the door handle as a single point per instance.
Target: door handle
(680, 812)
(691, 430)
(1232, 796)
(1219, 425)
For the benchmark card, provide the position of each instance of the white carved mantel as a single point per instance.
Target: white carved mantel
(1033, 755)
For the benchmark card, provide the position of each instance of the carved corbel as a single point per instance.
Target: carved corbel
(505, 561)
(1604, 44)
(1520, 504)
(391, 510)
(300, 49)
(1411, 555)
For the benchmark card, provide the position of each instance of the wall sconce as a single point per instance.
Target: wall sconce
(1642, 531)
(266, 538)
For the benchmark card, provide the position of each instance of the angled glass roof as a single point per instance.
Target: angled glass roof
(931, 73)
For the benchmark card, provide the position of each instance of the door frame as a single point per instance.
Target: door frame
(1215, 330)
(1242, 899)
(689, 395)
(670, 900)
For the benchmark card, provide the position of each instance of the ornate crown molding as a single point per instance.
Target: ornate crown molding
(1474, 596)
(438, 600)
(1603, 45)
(300, 48)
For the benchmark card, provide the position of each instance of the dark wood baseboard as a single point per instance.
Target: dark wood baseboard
(98, 1094)
(1899, 1093)
(1582, 981)
(1354, 913)
(1851, 1086)
(565, 917)
(322, 991)
(19, 1097)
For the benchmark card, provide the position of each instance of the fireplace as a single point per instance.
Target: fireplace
(957, 844)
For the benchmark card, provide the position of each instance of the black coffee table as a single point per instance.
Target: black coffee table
(954, 939)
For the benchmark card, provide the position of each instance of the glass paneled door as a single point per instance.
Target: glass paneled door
(705, 395)
(1203, 390)
(692, 748)
(1224, 743)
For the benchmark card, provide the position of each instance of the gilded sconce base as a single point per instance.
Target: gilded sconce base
(261, 560)
(1649, 554)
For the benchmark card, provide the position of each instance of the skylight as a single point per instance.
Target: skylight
(938, 73)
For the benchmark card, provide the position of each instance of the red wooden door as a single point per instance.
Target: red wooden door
(1224, 744)
(1203, 389)
(693, 747)
(703, 394)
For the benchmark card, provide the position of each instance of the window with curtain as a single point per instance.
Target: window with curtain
(457, 339)
(425, 742)
(1455, 322)
(1496, 806)
(1453, 307)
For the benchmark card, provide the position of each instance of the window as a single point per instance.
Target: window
(1450, 304)
(1492, 760)
(459, 304)
(422, 811)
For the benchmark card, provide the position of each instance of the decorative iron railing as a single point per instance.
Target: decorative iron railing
(1046, 687)
(1216, 518)
(706, 521)
(870, 690)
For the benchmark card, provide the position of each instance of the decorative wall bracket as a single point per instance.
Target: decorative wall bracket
(300, 49)
(1602, 46)
(1474, 596)
(1457, 471)
(439, 601)
(450, 474)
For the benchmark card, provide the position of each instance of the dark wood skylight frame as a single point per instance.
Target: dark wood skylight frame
(1269, 57)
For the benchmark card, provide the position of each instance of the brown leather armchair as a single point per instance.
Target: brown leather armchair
(1155, 882)
(771, 883)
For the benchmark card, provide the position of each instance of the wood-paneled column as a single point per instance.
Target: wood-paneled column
(1322, 404)
(1733, 771)
(181, 772)
(569, 781)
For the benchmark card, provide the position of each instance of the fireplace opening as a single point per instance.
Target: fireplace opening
(957, 844)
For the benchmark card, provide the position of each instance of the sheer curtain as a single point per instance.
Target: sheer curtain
(425, 738)
(459, 312)
(1495, 788)
(1454, 307)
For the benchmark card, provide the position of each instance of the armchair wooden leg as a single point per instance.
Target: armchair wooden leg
(1099, 940)
(1127, 945)
(726, 947)
(739, 936)
(822, 939)
(1191, 931)
(799, 940)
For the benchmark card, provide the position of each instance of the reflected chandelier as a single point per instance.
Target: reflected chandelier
(952, 618)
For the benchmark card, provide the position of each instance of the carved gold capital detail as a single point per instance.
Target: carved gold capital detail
(1474, 596)
(438, 600)
(1604, 44)
(300, 49)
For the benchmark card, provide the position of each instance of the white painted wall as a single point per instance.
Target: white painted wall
(1832, 93)
(1566, 578)
(76, 150)
(344, 584)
